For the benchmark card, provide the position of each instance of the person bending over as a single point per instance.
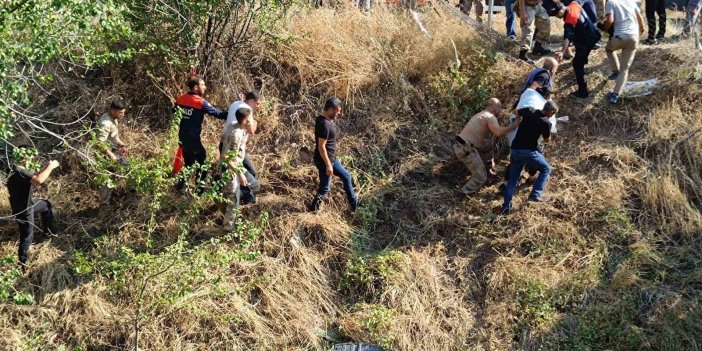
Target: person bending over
(525, 152)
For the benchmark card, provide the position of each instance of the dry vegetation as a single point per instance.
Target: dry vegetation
(611, 263)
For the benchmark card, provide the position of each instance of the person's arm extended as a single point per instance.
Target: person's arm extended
(639, 19)
(522, 12)
(499, 131)
(42, 176)
(213, 111)
(322, 147)
(609, 21)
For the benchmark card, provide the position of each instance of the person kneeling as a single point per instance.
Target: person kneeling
(233, 154)
(525, 152)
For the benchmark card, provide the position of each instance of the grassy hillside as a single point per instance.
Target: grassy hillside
(612, 262)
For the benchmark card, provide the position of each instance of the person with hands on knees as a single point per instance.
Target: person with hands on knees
(525, 152)
(470, 143)
(325, 157)
(624, 17)
(20, 185)
(194, 107)
(579, 29)
(233, 154)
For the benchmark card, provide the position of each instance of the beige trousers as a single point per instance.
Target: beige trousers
(537, 18)
(628, 47)
(470, 157)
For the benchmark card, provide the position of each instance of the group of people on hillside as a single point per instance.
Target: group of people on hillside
(525, 135)
(239, 125)
(583, 20)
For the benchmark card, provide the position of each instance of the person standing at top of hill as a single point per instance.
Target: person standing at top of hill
(233, 153)
(653, 8)
(532, 16)
(20, 186)
(628, 26)
(251, 101)
(471, 143)
(325, 156)
(581, 31)
(467, 5)
(111, 144)
(525, 152)
(194, 107)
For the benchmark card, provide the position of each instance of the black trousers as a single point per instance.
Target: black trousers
(579, 61)
(654, 7)
(194, 153)
(25, 222)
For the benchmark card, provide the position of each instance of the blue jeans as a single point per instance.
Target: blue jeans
(519, 159)
(511, 29)
(325, 181)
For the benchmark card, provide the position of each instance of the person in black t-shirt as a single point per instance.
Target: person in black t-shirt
(325, 156)
(525, 152)
(20, 186)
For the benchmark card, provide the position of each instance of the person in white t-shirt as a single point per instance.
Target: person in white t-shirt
(251, 101)
(628, 26)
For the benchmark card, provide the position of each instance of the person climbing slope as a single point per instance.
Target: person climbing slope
(471, 143)
(20, 186)
(325, 156)
(194, 108)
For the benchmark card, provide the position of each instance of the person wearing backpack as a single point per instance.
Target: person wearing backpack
(579, 29)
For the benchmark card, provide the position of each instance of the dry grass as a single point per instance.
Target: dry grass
(606, 265)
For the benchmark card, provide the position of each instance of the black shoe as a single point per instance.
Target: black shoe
(505, 211)
(523, 56)
(315, 205)
(613, 76)
(597, 46)
(247, 196)
(579, 95)
(540, 50)
(50, 226)
(651, 41)
(354, 206)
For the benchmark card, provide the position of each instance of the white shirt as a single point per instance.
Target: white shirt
(529, 98)
(231, 114)
(624, 15)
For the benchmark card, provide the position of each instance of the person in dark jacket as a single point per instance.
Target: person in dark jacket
(525, 152)
(20, 186)
(194, 107)
(579, 29)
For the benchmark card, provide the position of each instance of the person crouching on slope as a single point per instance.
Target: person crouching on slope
(525, 152)
(579, 29)
(194, 107)
(470, 143)
(233, 153)
(325, 156)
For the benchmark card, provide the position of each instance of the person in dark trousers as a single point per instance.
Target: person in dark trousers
(20, 186)
(194, 108)
(525, 152)
(653, 8)
(579, 29)
(325, 156)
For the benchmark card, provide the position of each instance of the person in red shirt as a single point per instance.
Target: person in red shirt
(193, 108)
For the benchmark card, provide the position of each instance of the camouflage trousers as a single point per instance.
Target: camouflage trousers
(232, 191)
(470, 157)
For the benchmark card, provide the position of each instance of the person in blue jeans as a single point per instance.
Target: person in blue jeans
(511, 29)
(525, 152)
(325, 156)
